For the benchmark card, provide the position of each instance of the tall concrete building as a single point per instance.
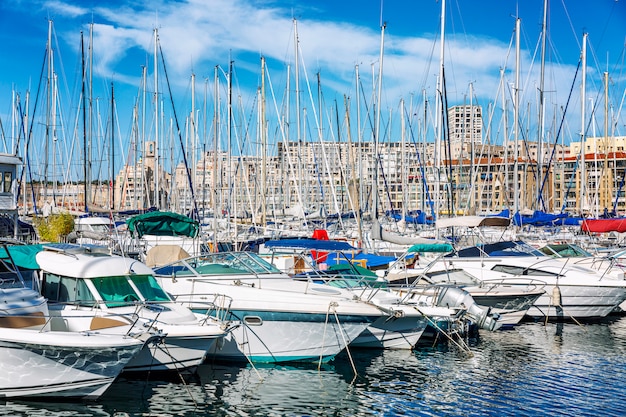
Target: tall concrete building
(465, 125)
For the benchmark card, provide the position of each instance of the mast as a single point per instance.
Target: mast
(439, 113)
(358, 137)
(583, 148)
(90, 117)
(112, 186)
(516, 190)
(351, 163)
(263, 148)
(506, 182)
(84, 105)
(157, 167)
(403, 153)
(377, 129)
(232, 184)
(215, 160)
(541, 107)
(193, 134)
(145, 189)
(606, 200)
(297, 94)
(471, 196)
(49, 98)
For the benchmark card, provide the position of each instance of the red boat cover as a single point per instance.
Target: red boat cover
(604, 225)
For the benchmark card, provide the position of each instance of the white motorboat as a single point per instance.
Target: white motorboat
(38, 363)
(408, 313)
(572, 291)
(510, 301)
(280, 320)
(91, 290)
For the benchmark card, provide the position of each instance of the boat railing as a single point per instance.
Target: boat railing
(210, 306)
(530, 285)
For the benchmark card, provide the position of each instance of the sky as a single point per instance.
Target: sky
(336, 40)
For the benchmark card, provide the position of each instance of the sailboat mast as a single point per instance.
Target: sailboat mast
(216, 127)
(48, 113)
(90, 119)
(516, 119)
(583, 148)
(112, 185)
(439, 112)
(157, 168)
(541, 106)
(84, 105)
(377, 130)
(263, 148)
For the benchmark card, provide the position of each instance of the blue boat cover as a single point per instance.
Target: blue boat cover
(371, 260)
(310, 244)
(539, 218)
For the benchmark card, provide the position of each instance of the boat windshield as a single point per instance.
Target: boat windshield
(453, 276)
(149, 288)
(222, 263)
(117, 290)
(565, 250)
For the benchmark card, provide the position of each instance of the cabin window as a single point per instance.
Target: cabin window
(66, 290)
(520, 270)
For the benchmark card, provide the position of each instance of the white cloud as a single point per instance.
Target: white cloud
(197, 35)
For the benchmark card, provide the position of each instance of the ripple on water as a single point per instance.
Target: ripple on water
(533, 370)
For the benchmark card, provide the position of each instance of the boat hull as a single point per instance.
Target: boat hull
(392, 333)
(183, 347)
(58, 364)
(274, 337)
(580, 302)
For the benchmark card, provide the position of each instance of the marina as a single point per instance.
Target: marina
(533, 370)
(442, 237)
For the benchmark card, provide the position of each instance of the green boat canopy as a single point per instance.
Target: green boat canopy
(24, 256)
(431, 247)
(163, 223)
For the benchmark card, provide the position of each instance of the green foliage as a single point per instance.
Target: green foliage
(54, 227)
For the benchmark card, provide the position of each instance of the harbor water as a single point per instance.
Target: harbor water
(536, 369)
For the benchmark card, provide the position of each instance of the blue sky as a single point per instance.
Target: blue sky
(334, 37)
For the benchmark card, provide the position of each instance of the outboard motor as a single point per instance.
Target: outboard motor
(455, 297)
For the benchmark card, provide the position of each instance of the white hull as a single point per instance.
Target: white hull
(274, 341)
(58, 364)
(392, 333)
(279, 319)
(581, 302)
(184, 346)
(584, 292)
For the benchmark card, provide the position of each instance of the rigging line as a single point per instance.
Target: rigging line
(283, 136)
(30, 133)
(420, 164)
(556, 138)
(180, 138)
(446, 137)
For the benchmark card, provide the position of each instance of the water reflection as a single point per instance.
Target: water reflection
(536, 369)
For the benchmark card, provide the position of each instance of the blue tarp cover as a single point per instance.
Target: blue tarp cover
(371, 260)
(310, 244)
